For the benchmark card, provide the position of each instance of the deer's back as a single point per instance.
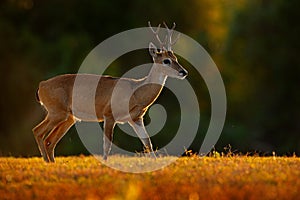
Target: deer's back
(75, 93)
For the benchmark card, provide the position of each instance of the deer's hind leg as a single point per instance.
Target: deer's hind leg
(55, 136)
(41, 131)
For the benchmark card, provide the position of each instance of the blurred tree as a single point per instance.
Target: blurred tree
(262, 52)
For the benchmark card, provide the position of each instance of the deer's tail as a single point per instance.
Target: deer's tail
(37, 95)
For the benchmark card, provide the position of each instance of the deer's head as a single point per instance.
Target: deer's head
(164, 58)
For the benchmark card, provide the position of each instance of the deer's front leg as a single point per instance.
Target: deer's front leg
(109, 124)
(139, 128)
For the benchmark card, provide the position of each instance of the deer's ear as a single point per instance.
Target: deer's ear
(152, 50)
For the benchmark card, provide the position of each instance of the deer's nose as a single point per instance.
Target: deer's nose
(183, 72)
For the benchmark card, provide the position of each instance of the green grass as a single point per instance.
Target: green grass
(236, 177)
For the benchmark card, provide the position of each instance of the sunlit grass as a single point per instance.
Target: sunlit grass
(236, 177)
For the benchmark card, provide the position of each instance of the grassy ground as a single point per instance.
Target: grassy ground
(188, 178)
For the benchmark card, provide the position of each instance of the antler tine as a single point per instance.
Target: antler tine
(174, 25)
(176, 39)
(157, 30)
(156, 34)
(170, 34)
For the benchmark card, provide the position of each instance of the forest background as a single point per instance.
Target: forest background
(254, 43)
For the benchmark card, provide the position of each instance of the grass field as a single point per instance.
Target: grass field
(193, 178)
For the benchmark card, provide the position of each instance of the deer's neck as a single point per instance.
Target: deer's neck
(155, 77)
(150, 88)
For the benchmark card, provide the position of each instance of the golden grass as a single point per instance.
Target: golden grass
(188, 178)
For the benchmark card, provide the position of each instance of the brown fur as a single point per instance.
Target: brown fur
(56, 95)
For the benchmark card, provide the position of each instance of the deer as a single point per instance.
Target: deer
(56, 96)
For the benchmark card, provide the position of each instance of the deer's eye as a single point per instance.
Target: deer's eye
(167, 61)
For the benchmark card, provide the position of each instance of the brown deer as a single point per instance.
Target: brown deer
(56, 95)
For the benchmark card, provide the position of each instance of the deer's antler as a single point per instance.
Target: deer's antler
(168, 39)
(157, 37)
(170, 43)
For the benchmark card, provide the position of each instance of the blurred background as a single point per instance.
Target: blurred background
(255, 44)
